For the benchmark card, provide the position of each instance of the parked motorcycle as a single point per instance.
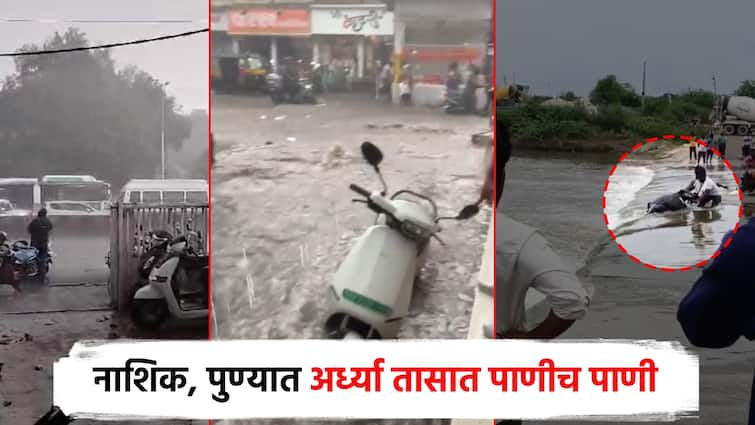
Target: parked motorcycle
(54, 416)
(303, 94)
(178, 287)
(455, 102)
(26, 260)
(8, 274)
(372, 288)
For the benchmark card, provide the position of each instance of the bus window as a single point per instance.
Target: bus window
(196, 197)
(151, 197)
(134, 198)
(173, 197)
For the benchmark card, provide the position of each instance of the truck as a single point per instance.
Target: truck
(735, 115)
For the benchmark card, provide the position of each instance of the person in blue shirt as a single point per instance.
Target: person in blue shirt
(720, 307)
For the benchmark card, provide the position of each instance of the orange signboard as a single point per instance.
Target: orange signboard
(269, 22)
(442, 54)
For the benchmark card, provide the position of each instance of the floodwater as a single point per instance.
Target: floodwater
(561, 196)
(283, 219)
(671, 239)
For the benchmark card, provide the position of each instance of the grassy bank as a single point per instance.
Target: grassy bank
(575, 128)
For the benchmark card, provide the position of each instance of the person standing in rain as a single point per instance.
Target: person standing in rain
(39, 232)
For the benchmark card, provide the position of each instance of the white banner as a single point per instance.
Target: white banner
(464, 379)
(219, 22)
(352, 20)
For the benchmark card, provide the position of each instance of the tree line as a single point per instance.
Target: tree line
(76, 113)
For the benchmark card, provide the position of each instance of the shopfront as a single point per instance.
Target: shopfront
(222, 43)
(431, 34)
(272, 33)
(352, 37)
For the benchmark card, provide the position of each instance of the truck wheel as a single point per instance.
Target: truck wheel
(730, 130)
(149, 314)
(741, 130)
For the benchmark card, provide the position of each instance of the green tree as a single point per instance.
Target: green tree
(746, 88)
(609, 91)
(75, 113)
(569, 96)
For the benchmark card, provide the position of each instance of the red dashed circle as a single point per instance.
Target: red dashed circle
(726, 243)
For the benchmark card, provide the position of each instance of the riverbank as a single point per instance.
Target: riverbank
(597, 146)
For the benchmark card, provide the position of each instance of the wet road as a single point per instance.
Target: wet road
(41, 324)
(280, 195)
(561, 196)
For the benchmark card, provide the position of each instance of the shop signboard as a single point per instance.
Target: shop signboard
(269, 22)
(367, 20)
(219, 21)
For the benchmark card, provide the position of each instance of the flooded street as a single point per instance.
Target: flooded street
(283, 219)
(671, 239)
(561, 197)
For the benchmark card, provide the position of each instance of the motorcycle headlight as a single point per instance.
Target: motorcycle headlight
(415, 231)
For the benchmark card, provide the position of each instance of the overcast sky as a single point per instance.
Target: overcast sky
(559, 45)
(183, 62)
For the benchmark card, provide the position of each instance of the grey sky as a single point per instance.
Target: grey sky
(182, 62)
(559, 45)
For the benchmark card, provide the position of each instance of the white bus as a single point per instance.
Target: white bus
(165, 192)
(75, 195)
(19, 196)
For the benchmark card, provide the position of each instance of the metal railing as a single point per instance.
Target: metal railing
(130, 226)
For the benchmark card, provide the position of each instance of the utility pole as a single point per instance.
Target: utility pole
(644, 73)
(162, 131)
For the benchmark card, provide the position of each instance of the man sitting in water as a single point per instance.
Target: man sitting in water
(704, 189)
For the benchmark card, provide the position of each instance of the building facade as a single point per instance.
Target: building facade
(356, 35)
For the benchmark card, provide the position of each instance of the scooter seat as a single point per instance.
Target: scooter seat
(194, 262)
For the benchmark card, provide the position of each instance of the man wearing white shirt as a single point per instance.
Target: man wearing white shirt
(704, 189)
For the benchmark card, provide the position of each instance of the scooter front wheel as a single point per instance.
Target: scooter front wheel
(149, 314)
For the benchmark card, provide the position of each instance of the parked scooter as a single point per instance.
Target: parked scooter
(372, 288)
(178, 287)
(157, 243)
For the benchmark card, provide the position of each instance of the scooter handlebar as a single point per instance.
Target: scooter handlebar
(360, 190)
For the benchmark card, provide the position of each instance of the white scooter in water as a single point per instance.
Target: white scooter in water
(372, 288)
(178, 287)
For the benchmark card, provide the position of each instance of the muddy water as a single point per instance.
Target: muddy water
(671, 239)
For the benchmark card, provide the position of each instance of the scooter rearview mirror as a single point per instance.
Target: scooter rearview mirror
(468, 212)
(372, 154)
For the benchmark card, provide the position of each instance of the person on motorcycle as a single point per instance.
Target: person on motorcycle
(39, 232)
(453, 81)
(717, 311)
(290, 76)
(470, 89)
(704, 189)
